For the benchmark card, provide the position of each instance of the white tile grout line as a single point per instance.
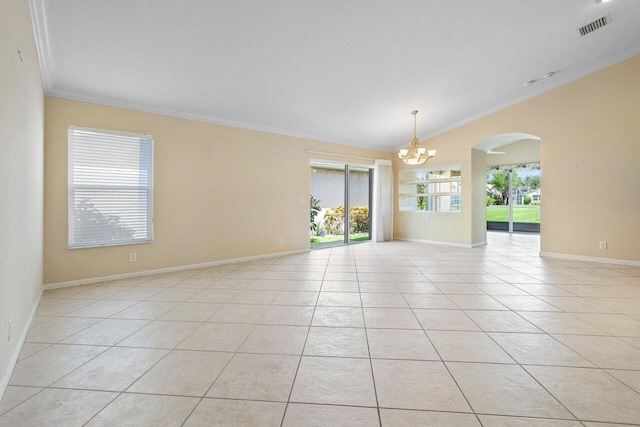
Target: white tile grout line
(362, 308)
(373, 375)
(444, 364)
(295, 376)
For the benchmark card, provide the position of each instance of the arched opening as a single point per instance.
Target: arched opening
(508, 167)
(503, 139)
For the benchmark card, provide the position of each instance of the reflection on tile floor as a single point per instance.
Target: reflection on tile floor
(393, 333)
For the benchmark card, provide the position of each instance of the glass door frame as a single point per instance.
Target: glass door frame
(346, 202)
(513, 198)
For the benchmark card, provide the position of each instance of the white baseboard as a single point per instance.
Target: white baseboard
(591, 259)
(167, 270)
(16, 353)
(435, 242)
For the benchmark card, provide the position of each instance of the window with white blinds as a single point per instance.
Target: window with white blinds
(110, 188)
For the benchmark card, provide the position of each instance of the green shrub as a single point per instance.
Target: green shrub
(359, 219)
(527, 200)
(490, 201)
(314, 209)
(334, 220)
(422, 201)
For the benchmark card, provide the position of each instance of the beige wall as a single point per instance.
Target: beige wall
(21, 141)
(220, 192)
(590, 145)
(449, 227)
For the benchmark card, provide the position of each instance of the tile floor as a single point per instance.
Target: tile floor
(393, 334)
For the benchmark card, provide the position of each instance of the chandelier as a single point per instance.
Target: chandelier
(416, 154)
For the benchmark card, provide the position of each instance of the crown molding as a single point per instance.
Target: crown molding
(47, 71)
(146, 108)
(43, 50)
(556, 82)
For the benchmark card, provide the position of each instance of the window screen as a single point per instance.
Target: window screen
(110, 188)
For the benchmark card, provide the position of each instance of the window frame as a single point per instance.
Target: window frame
(416, 189)
(71, 187)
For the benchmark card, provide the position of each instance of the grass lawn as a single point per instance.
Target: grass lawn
(330, 239)
(520, 213)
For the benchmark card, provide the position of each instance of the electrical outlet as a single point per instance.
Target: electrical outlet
(279, 240)
(132, 257)
(10, 329)
(603, 245)
(427, 218)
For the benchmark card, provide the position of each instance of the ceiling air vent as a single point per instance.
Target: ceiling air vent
(592, 26)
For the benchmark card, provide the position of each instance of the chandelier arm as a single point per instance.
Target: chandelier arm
(415, 155)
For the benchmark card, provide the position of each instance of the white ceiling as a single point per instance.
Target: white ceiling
(345, 71)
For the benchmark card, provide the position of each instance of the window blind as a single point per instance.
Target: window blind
(110, 182)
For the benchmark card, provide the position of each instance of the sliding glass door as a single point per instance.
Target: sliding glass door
(359, 202)
(340, 204)
(513, 198)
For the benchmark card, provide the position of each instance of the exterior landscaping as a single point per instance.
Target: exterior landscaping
(517, 185)
(327, 225)
(338, 239)
(500, 213)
